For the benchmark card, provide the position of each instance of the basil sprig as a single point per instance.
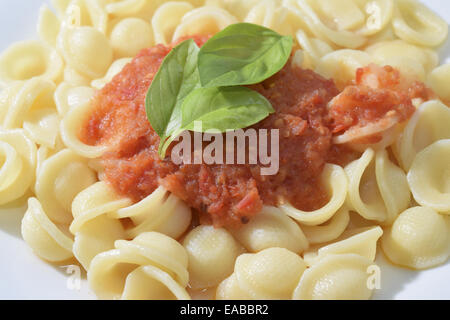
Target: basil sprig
(194, 84)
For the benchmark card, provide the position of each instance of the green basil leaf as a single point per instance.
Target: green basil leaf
(224, 108)
(175, 79)
(242, 54)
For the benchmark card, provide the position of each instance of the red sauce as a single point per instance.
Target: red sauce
(222, 194)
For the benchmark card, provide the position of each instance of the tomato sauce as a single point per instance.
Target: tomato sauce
(225, 195)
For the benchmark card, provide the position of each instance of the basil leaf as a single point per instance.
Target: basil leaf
(242, 54)
(224, 108)
(175, 79)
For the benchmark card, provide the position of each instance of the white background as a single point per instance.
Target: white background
(24, 276)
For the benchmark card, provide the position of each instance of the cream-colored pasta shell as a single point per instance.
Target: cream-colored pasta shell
(439, 79)
(429, 176)
(336, 277)
(212, 254)
(110, 272)
(361, 241)
(329, 231)
(48, 25)
(378, 189)
(416, 23)
(17, 164)
(61, 177)
(335, 181)
(68, 97)
(269, 274)
(27, 96)
(43, 236)
(86, 50)
(426, 126)
(203, 21)
(29, 59)
(94, 231)
(113, 70)
(166, 19)
(161, 211)
(70, 126)
(418, 239)
(129, 36)
(271, 228)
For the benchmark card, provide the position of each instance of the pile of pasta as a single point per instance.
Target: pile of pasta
(398, 194)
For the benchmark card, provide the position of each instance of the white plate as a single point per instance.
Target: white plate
(24, 276)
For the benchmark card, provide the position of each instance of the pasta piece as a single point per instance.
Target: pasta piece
(271, 228)
(166, 19)
(262, 276)
(336, 277)
(342, 38)
(418, 239)
(152, 266)
(60, 6)
(378, 15)
(29, 59)
(48, 26)
(335, 180)
(313, 49)
(85, 49)
(237, 8)
(428, 125)
(42, 126)
(204, 21)
(362, 242)
(70, 126)
(68, 97)
(130, 36)
(74, 78)
(341, 65)
(386, 52)
(17, 164)
(329, 231)
(416, 23)
(212, 253)
(113, 70)
(161, 211)
(61, 177)
(429, 176)
(24, 97)
(43, 236)
(439, 79)
(264, 13)
(94, 231)
(378, 189)
(124, 7)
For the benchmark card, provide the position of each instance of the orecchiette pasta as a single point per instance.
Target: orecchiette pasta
(378, 189)
(336, 277)
(426, 126)
(335, 180)
(415, 23)
(271, 228)
(166, 19)
(331, 230)
(362, 242)
(29, 59)
(269, 274)
(429, 176)
(43, 236)
(61, 177)
(114, 69)
(212, 253)
(17, 165)
(129, 36)
(158, 247)
(160, 211)
(94, 231)
(152, 266)
(418, 239)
